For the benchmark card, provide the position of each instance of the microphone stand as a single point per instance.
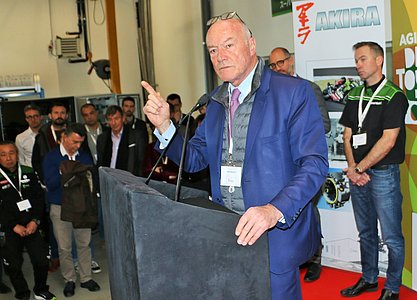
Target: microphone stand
(157, 163)
(181, 165)
(202, 101)
(164, 151)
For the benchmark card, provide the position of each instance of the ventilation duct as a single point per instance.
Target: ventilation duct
(68, 47)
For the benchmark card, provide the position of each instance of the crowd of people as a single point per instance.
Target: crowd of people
(260, 144)
(122, 143)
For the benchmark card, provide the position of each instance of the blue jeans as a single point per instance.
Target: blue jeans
(381, 200)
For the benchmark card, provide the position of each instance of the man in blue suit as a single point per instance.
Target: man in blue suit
(267, 158)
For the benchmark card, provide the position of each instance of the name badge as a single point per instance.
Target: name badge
(24, 205)
(359, 139)
(231, 176)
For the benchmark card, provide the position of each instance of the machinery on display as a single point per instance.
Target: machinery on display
(336, 189)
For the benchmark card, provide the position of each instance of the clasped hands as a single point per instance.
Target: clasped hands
(23, 231)
(356, 178)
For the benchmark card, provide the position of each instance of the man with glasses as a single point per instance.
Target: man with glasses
(26, 139)
(267, 157)
(283, 62)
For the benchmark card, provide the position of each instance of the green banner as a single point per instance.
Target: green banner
(404, 50)
(280, 7)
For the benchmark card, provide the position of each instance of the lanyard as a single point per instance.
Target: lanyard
(91, 135)
(362, 114)
(230, 136)
(230, 126)
(19, 175)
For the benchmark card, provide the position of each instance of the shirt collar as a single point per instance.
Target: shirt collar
(245, 86)
(119, 135)
(64, 152)
(376, 85)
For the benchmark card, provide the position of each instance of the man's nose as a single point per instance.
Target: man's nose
(220, 54)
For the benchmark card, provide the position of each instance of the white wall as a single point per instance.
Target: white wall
(26, 31)
(24, 36)
(178, 49)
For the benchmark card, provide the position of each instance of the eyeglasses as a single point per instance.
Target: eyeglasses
(227, 16)
(224, 16)
(278, 63)
(30, 117)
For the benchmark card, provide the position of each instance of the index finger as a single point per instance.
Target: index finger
(148, 88)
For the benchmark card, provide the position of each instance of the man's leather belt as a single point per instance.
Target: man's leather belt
(380, 167)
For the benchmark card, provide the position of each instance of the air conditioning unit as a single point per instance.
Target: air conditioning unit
(68, 47)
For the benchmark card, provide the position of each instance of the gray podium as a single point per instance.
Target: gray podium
(161, 249)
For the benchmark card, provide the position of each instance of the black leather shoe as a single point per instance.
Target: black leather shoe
(91, 285)
(4, 289)
(360, 287)
(388, 295)
(69, 289)
(313, 272)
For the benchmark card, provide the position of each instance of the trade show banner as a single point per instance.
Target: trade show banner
(404, 49)
(324, 33)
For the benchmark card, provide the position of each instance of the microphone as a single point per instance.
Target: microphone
(201, 102)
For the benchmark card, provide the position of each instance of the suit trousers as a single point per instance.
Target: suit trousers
(64, 231)
(286, 286)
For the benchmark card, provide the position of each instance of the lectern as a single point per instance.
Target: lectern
(159, 249)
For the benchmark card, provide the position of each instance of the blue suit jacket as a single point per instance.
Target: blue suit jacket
(285, 161)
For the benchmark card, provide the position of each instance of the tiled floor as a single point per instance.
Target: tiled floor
(56, 282)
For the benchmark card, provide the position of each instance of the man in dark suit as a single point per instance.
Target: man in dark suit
(121, 147)
(128, 107)
(281, 60)
(267, 158)
(93, 127)
(176, 114)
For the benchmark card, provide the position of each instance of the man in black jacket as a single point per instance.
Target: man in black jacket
(48, 138)
(122, 147)
(21, 209)
(128, 108)
(49, 135)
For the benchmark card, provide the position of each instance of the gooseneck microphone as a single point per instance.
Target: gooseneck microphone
(200, 103)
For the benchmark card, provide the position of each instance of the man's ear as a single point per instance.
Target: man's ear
(380, 60)
(252, 45)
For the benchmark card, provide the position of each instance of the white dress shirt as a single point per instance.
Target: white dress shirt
(24, 144)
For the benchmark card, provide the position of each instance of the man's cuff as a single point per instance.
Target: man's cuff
(166, 136)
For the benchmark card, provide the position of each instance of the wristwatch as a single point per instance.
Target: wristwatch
(36, 221)
(358, 170)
